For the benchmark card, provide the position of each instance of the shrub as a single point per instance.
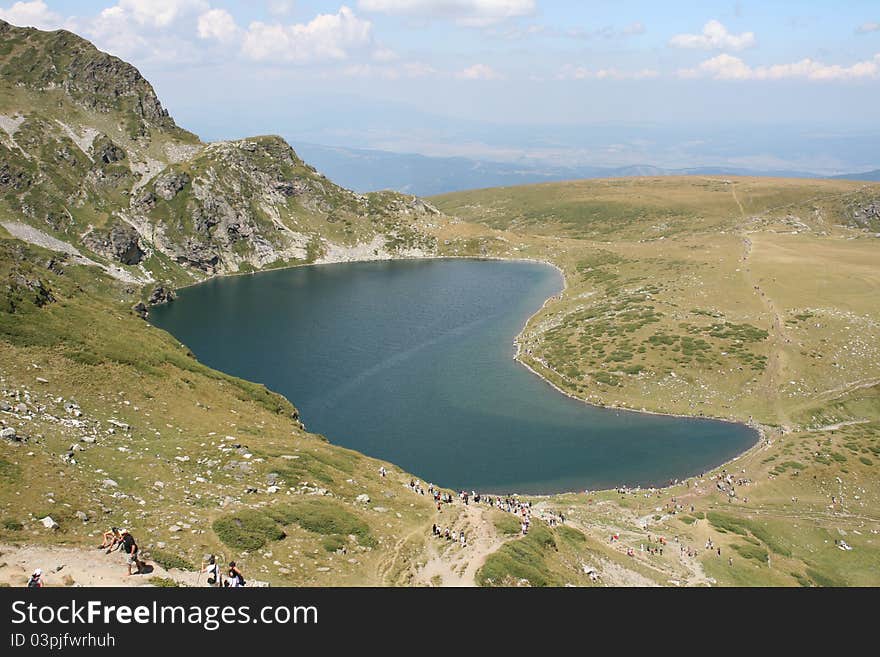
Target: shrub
(247, 530)
(326, 518)
(163, 582)
(168, 560)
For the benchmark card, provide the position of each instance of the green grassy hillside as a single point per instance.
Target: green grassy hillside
(754, 300)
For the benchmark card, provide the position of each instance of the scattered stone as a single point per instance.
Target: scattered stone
(174, 528)
(109, 483)
(48, 523)
(9, 433)
(363, 498)
(82, 515)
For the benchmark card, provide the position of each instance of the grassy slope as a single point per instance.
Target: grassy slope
(736, 298)
(758, 295)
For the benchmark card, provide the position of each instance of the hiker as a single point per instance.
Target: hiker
(234, 578)
(111, 540)
(36, 580)
(212, 568)
(130, 547)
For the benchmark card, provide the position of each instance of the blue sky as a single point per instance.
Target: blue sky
(483, 77)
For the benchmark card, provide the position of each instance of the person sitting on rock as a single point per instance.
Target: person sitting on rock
(111, 540)
(130, 547)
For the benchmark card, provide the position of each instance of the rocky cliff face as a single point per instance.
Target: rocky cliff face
(89, 156)
(93, 79)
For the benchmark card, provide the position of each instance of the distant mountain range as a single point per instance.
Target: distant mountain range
(370, 170)
(869, 176)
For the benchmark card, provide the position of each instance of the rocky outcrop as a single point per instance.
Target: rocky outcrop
(121, 243)
(160, 295)
(168, 185)
(91, 78)
(23, 287)
(105, 151)
(214, 208)
(199, 255)
(867, 216)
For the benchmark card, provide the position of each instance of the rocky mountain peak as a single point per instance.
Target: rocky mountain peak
(91, 78)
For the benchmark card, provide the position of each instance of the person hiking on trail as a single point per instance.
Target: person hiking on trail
(111, 539)
(212, 568)
(130, 547)
(36, 580)
(234, 578)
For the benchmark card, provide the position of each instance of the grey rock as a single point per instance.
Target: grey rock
(121, 243)
(160, 295)
(168, 185)
(48, 523)
(107, 152)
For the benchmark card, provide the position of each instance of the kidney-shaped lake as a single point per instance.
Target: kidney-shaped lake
(412, 361)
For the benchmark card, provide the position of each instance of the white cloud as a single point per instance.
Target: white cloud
(326, 37)
(583, 73)
(217, 24)
(409, 70)
(382, 54)
(478, 72)
(472, 13)
(31, 14)
(728, 67)
(865, 28)
(280, 7)
(714, 37)
(160, 13)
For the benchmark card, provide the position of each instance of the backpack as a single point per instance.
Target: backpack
(33, 582)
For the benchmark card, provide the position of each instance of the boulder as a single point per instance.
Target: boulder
(48, 523)
(160, 295)
(363, 498)
(121, 243)
(168, 185)
(9, 433)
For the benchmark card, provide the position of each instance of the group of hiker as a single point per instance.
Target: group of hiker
(234, 576)
(122, 540)
(509, 504)
(449, 535)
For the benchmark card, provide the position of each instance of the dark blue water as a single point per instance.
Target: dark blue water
(412, 362)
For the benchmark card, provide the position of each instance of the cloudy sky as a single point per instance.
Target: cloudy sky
(497, 78)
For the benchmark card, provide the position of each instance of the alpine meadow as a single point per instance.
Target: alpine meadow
(744, 299)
